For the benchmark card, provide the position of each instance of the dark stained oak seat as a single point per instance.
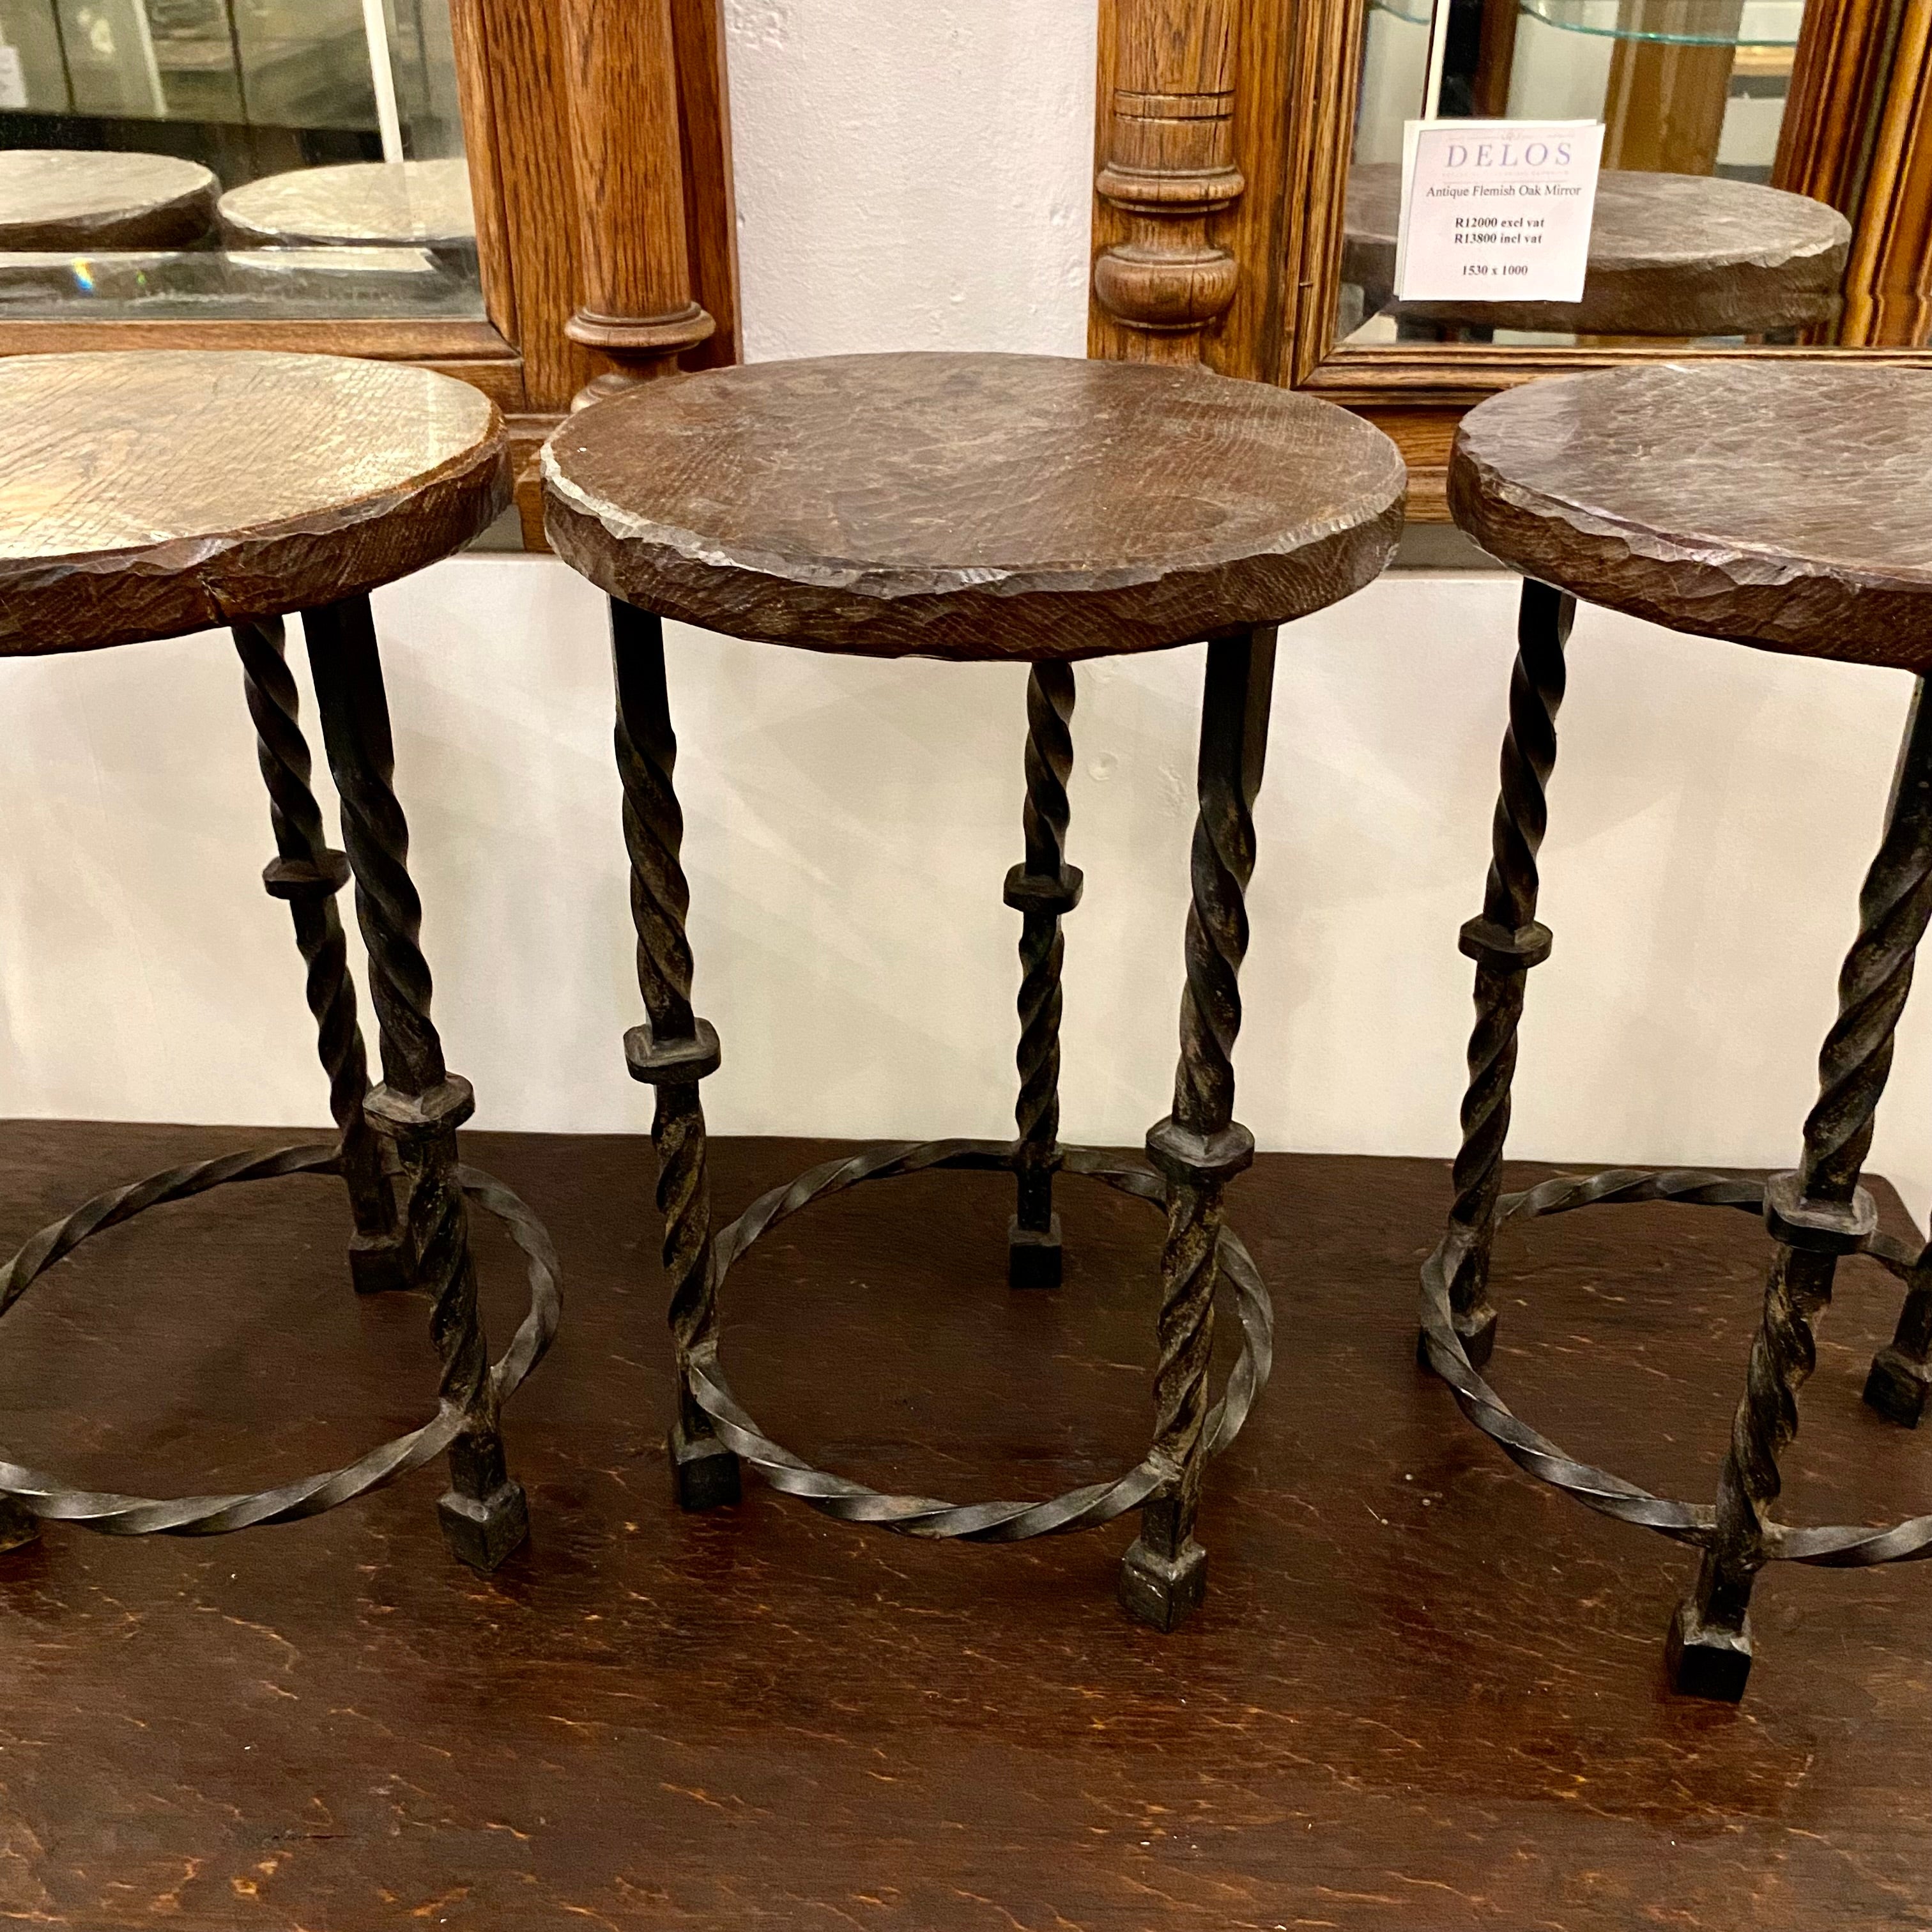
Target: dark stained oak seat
(53, 199)
(972, 506)
(151, 493)
(1670, 255)
(1786, 505)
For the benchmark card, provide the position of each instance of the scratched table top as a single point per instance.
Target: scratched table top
(1422, 1692)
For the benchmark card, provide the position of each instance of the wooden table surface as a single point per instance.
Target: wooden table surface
(1774, 504)
(988, 506)
(1423, 1692)
(150, 492)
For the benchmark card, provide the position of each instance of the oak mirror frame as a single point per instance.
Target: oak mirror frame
(1224, 134)
(597, 134)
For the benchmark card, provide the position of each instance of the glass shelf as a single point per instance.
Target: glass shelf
(1765, 23)
(1412, 13)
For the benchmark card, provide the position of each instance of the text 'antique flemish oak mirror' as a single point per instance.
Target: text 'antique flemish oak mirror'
(1766, 190)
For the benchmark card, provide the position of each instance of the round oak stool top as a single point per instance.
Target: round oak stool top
(1670, 255)
(1783, 504)
(146, 494)
(971, 505)
(362, 202)
(55, 198)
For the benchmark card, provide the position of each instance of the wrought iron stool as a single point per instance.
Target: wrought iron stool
(151, 494)
(1781, 505)
(1001, 507)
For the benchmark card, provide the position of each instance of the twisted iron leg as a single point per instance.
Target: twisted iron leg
(308, 874)
(1815, 1215)
(1505, 943)
(1041, 890)
(1200, 1146)
(420, 1104)
(673, 1050)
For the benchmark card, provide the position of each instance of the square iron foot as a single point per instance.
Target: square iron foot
(1033, 1254)
(18, 1524)
(481, 1534)
(703, 1472)
(378, 1263)
(1161, 1590)
(1701, 1662)
(1896, 1387)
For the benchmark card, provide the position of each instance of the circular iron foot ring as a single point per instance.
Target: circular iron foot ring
(1083, 1508)
(1839, 1547)
(215, 1516)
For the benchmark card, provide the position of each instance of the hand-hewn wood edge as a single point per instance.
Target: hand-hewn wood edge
(138, 594)
(1417, 394)
(973, 624)
(1796, 608)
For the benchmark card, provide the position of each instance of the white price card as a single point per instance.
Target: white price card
(1496, 211)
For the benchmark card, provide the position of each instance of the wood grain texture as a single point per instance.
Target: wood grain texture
(57, 198)
(1784, 508)
(1670, 254)
(710, 195)
(147, 494)
(1169, 164)
(1888, 288)
(620, 69)
(1423, 1696)
(483, 154)
(971, 506)
(523, 46)
(1837, 73)
(426, 203)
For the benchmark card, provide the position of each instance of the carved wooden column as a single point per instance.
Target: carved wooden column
(621, 82)
(1167, 164)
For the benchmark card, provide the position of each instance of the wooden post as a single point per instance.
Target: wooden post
(621, 83)
(1888, 280)
(1168, 163)
(1664, 109)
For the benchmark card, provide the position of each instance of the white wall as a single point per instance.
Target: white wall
(849, 824)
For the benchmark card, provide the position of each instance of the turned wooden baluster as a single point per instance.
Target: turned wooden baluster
(1169, 164)
(621, 82)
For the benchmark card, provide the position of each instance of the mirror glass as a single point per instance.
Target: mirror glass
(1697, 235)
(232, 158)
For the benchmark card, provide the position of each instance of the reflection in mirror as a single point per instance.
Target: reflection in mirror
(232, 158)
(1696, 236)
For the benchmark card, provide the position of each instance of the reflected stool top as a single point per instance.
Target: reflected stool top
(1670, 255)
(1783, 504)
(54, 199)
(971, 506)
(149, 492)
(424, 203)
